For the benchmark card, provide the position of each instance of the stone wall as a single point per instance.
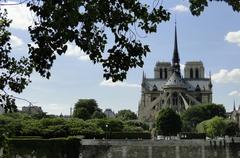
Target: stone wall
(159, 149)
(145, 149)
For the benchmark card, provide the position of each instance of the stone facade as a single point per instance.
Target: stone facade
(1, 110)
(235, 114)
(109, 113)
(169, 88)
(32, 109)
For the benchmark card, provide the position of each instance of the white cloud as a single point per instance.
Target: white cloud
(233, 37)
(75, 51)
(227, 76)
(110, 83)
(20, 14)
(16, 41)
(180, 8)
(234, 93)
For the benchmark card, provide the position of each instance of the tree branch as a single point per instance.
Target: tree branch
(9, 4)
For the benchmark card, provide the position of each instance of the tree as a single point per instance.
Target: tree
(231, 128)
(213, 127)
(198, 113)
(168, 122)
(14, 73)
(126, 115)
(81, 113)
(88, 24)
(98, 114)
(87, 109)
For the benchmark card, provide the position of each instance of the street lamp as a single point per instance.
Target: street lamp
(106, 130)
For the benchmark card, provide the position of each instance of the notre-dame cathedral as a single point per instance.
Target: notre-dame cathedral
(169, 88)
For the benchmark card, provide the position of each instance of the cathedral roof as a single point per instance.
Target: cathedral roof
(175, 81)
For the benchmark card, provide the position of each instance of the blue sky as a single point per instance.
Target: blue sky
(213, 38)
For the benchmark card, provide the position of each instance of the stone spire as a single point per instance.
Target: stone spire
(143, 76)
(176, 59)
(210, 81)
(234, 107)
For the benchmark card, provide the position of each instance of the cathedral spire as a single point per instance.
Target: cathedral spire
(143, 76)
(176, 59)
(210, 81)
(234, 107)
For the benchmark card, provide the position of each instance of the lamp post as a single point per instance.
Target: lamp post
(106, 130)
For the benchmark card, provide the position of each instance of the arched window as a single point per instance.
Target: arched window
(191, 73)
(165, 73)
(161, 73)
(175, 99)
(197, 73)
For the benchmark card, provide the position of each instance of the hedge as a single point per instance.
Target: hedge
(50, 148)
(119, 135)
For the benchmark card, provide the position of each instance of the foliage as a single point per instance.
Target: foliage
(213, 127)
(111, 125)
(86, 109)
(218, 126)
(168, 122)
(137, 123)
(62, 147)
(89, 25)
(98, 115)
(89, 28)
(47, 127)
(14, 73)
(120, 135)
(81, 113)
(198, 113)
(197, 6)
(126, 115)
(231, 128)
(20, 124)
(128, 128)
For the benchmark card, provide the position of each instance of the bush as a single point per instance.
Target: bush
(119, 135)
(113, 125)
(51, 148)
(137, 123)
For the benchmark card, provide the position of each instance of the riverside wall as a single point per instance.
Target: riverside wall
(90, 148)
(160, 149)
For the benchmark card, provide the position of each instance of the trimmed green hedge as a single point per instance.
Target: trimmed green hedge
(119, 135)
(51, 148)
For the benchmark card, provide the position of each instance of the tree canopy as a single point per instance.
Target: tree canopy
(198, 113)
(87, 109)
(89, 25)
(126, 115)
(218, 126)
(15, 73)
(168, 122)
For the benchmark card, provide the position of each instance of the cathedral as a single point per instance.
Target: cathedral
(169, 88)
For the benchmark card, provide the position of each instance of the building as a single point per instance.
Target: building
(169, 88)
(235, 114)
(1, 110)
(109, 113)
(32, 109)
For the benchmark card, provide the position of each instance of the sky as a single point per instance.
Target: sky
(213, 38)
